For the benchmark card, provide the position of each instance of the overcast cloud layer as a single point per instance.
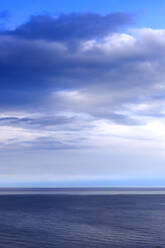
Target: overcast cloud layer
(83, 84)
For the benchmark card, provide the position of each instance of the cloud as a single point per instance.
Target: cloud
(109, 80)
(30, 66)
(69, 27)
(4, 14)
(81, 95)
(117, 61)
(4, 17)
(36, 122)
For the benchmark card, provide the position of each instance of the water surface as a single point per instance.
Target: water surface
(82, 220)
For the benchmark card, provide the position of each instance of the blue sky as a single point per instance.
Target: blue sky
(147, 13)
(82, 93)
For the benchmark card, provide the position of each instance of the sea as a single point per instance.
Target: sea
(82, 218)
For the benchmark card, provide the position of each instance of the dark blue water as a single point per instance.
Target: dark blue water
(77, 221)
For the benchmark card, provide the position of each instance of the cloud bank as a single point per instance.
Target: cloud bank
(82, 81)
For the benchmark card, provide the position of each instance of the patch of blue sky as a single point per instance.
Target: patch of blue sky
(148, 13)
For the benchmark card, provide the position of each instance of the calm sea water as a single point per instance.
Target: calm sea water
(75, 221)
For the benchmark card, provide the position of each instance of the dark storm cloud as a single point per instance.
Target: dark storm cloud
(70, 27)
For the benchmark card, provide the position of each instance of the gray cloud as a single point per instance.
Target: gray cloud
(81, 97)
(70, 27)
(36, 122)
(115, 77)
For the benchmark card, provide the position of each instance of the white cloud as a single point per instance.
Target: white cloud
(114, 104)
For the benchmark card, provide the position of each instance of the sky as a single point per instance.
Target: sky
(82, 93)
